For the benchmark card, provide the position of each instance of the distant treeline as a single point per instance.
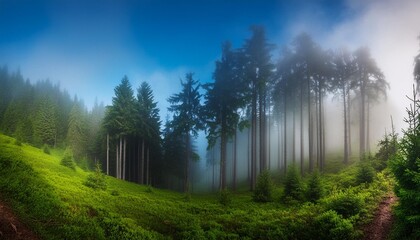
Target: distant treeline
(44, 115)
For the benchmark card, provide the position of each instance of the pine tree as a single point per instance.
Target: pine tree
(224, 97)
(187, 118)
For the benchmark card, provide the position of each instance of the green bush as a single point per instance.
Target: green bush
(46, 149)
(315, 189)
(149, 189)
(264, 188)
(365, 173)
(388, 147)
(96, 180)
(18, 143)
(67, 160)
(293, 186)
(330, 225)
(224, 197)
(345, 203)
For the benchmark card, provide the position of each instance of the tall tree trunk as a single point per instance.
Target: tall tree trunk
(362, 119)
(107, 154)
(139, 163)
(279, 144)
(269, 137)
(318, 133)
(311, 143)
(234, 160)
(120, 159)
(124, 159)
(301, 131)
(263, 164)
(248, 155)
(285, 137)
(294, 134)
(214, 164)
(147, 167)
(223, 146)
(310, 130)
(187, 162)
(116, 160)
(322, 125)
(349, 120)
(142, 162)
(367, 127)
(346, 130)
(254, 139)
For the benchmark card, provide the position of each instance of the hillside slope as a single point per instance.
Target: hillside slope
(54, 201)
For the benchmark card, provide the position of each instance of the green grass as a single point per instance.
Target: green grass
(54, 201)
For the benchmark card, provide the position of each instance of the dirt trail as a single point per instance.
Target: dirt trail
(381, 225)
(11, 228)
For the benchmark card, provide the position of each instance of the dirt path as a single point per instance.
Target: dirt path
(11, 228)
(381, 225)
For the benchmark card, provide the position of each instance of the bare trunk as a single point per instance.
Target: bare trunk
(367, 128)
(294, 134)
(310, 130)
(125, 158)
(301, 131)
(116, 160)
(187, 158)
(234, 160)
(107, 154)
(269, 139)
(349, 121)
(147, 168)
(254, 140)
(346, 130)
(120, 159)
(285, 138)
(138, 163)
(362, 120)
(142, 162)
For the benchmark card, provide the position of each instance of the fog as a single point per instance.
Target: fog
(89, 55)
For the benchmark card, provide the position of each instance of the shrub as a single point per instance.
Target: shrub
(315, 190)
(293, 187)
(224, 197)
(388, 147)
(149, 189)
(345, 203)
(46, 149)
(365, 173)
(330, 225)
(115, 193)
(67, 160)
(18, 143)
(96, 180)
(406, 169)
(263, 188)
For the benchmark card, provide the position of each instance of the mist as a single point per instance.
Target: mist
(87, 53)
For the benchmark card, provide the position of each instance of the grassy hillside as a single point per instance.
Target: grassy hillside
(54, 201)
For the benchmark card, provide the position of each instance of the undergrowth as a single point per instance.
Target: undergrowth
(54, 200)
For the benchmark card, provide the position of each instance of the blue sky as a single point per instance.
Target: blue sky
(88, 46)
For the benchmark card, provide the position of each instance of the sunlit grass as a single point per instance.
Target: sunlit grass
(55, 201)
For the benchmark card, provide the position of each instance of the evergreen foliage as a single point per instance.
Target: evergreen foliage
(365, 171)
(188, 117)
(264, 188)
(315, 189)
(67, 160)
(293, 186)
(406, 168)
(225, 197)
(387, 149)
(96, 180)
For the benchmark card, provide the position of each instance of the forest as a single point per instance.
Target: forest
(275, 109)
(279, 144)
